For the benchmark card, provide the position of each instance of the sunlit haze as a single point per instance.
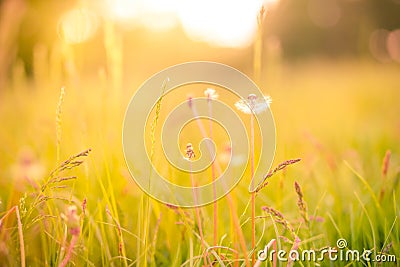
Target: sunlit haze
(223, 23)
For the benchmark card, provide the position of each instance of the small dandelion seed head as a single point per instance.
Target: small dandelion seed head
(253, 104)
(242, 106)
(268, 100)
(211, 94)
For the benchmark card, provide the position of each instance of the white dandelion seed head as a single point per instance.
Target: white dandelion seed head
(243, 106)
(253, 104)
(211, 93)
(268, 99)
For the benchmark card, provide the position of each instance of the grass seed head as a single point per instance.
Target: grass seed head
(279, 218)
(271, 173)
(385, 163)
(189, 151)
(301, 203)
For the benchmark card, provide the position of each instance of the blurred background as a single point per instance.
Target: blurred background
(332, 68)
(80, 37)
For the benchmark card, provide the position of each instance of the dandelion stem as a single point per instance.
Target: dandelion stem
(229, 198)
(197, 211)
(253, 192)
(215, 205)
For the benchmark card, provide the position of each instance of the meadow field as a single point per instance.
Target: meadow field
(69, 69)
(63, 173)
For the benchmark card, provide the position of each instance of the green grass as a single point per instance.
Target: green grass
(339, 118)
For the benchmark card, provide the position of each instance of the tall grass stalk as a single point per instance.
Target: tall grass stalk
(20, 232)
(229, 198)
(58, 122)
(109, 196)
(190, 156)
(21, 237)
(257, 59)
(366, 184)
(385, 167)
(253, 192)
(267, 248)
(70, 249)
(121, 245)
(258, 43)
(147, 199)
(215, 204)
(73, 223)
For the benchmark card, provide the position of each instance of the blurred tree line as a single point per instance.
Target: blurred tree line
(347, 36)
(304, 28)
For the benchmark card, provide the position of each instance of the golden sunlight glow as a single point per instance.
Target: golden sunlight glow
(123, 9)
(78, 25)
(223, 22)
(229, 23)
(152, 14)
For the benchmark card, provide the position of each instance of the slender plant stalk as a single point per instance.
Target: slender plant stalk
(267, 247)
(139, 230)
(58, 122)
(121, 246)
(215, 205)
(257, 54)
(253, 193)
(197, 211)
(71, 246)
(20, 233)
(238, 229)
(236, 262)
(385, 167)
(231, 204)
(21, 237)
(257, 77)
(153, 142)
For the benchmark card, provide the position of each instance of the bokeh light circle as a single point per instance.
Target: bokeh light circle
(78, 25)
